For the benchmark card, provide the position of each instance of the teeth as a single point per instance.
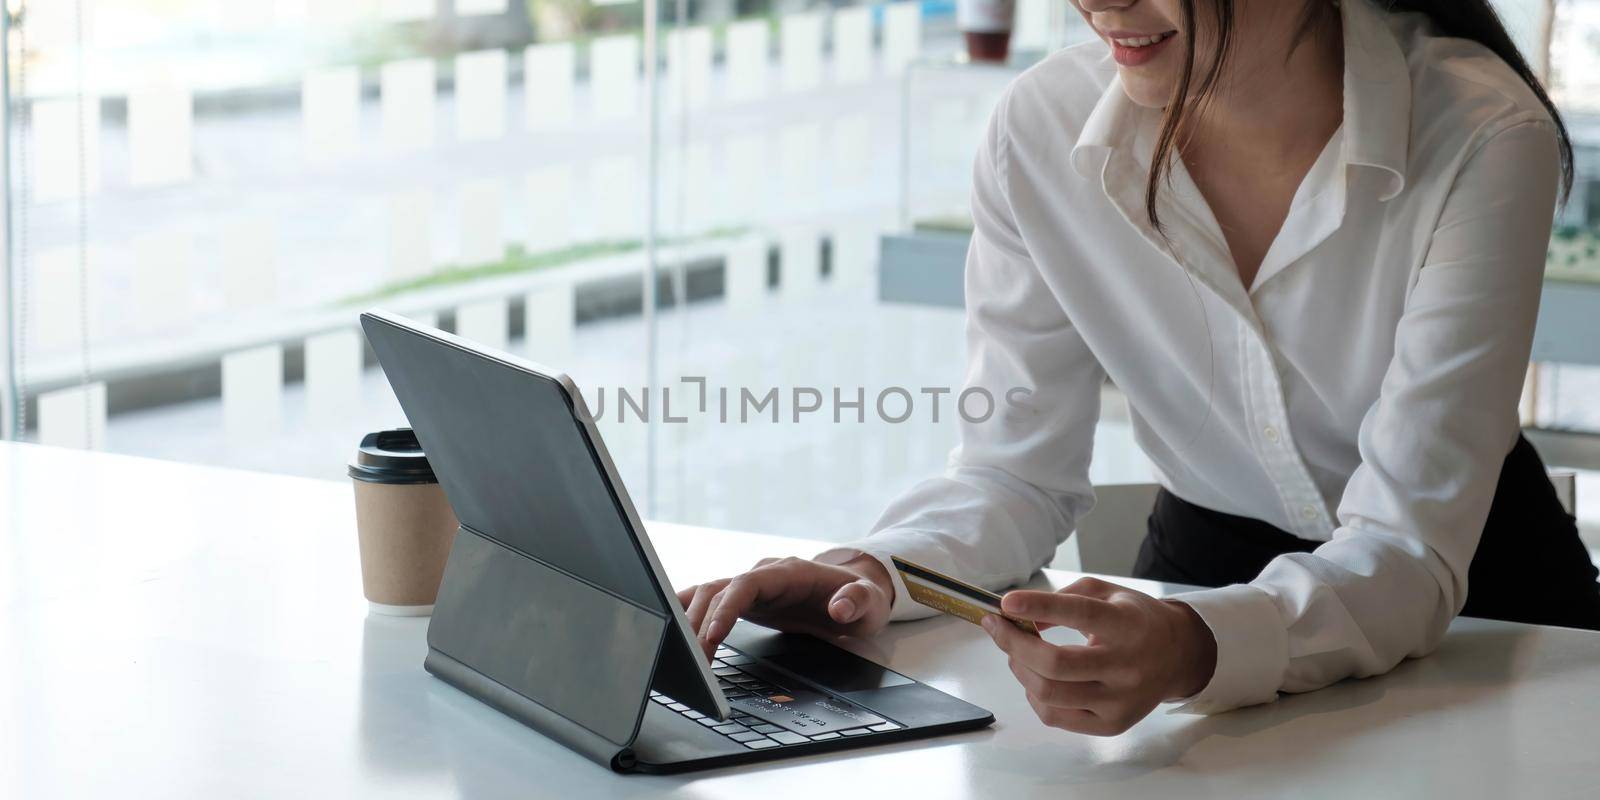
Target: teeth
(1141, 41)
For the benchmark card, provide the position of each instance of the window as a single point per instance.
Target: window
(203, 194)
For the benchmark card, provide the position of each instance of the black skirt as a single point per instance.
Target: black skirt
(1530, 565)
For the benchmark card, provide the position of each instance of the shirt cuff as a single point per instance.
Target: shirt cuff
(910, 545)
(1252, 648)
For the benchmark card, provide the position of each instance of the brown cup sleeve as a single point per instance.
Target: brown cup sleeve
(405, 532)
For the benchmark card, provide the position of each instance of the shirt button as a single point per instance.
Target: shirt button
(1271, 433)
(1309, 512)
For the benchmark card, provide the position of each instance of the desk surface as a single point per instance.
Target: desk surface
(180, 631)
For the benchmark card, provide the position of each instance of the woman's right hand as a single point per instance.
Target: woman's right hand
(793, 594)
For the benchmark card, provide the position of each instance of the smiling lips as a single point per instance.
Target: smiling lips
(1133, 50)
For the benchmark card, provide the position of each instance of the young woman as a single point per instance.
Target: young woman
(1306, 240)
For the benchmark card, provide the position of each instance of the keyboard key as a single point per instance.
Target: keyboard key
(736, 659)
(885, 727)
(856, 732)
(823, 737)
(734, 727)
(760, 744)
(747, 736)
(654, 693)
(786, 737)
(724, 672)
(766, 729)
(709, 722)
(692, 714)
(662, 699)
(677, 707)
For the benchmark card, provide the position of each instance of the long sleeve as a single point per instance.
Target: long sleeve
(1395, 571)
(1019, 479)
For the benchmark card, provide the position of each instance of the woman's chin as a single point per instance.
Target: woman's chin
(1145, 90)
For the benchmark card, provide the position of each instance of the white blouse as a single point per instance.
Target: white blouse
(1362, 392)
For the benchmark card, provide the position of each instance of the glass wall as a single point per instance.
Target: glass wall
(205, 193)
(743, 237)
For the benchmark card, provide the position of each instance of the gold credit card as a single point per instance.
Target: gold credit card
(957, 598)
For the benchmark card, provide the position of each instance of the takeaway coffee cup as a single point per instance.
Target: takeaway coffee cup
(403, 522)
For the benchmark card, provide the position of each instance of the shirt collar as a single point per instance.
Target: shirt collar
(1377, 105)
(1114, 120)
(1377, 95)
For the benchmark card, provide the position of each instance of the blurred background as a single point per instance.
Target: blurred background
(201, 195)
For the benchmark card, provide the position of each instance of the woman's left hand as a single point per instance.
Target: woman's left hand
(1141, 651)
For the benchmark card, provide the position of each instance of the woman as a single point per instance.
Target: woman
(1306, 240)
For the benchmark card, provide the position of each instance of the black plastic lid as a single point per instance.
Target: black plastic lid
(392, 457)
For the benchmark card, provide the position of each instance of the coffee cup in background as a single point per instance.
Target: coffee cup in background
(404, 524)
(986, 26)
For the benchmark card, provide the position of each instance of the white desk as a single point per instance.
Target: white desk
(176, 631)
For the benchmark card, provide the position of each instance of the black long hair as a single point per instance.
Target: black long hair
(1475, 20)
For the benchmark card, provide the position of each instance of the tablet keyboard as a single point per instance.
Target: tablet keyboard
(766, 715)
